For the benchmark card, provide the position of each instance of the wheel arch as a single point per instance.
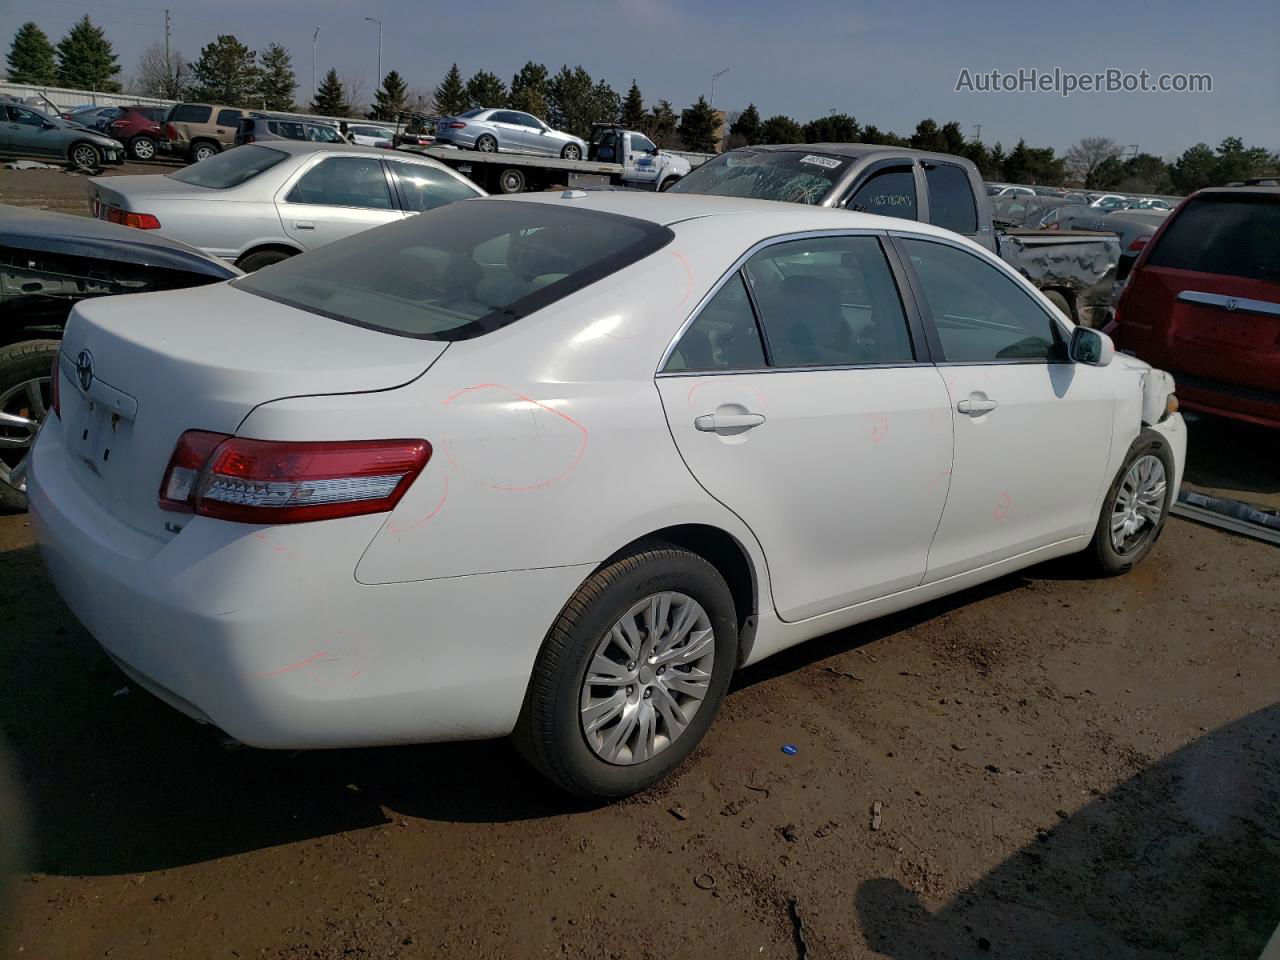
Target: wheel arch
(724, 552)
(282, 247)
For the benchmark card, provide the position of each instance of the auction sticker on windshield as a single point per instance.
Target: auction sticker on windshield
(829, 162)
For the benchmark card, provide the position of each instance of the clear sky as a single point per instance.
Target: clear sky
(887, 63)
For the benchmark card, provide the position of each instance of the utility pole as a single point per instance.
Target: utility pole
(714, 76)
(378, 79)
(170, 75)
(977, 136)
(313, 64)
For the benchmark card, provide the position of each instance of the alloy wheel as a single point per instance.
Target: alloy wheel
(647, 678)
(144, 149)
(1139, 504)
(22, 408)
(85, 157)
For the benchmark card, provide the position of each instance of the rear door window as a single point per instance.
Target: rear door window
(723, 337)
(1235, 236)
(951, 203)
(190, 113)
(344, 182)
(229, 118)
(423, 187)
(890, 193)
(829, 301)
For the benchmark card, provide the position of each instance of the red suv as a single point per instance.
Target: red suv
(1203, 302)
(138, 128)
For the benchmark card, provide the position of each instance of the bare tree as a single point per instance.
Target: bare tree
(1090, 153)
(159, 75)
(355, 92)
(420, 102)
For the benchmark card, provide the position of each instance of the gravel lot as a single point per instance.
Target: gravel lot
(1062, 767)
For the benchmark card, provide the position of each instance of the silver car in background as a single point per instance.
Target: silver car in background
(490, 130)
(260, 204)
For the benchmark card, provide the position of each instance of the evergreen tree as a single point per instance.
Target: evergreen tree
(485, 90)
(698, 127)
(86, 60)
(780, 129)
(873, 134)
(928, 137)
(569, 101)
(747, 125)
(998, 158)
(633, 113)
(952, 138)
(391, 99)
(451, 95)
(227, 72)
(837, 128)
(276, 80)
(331, 100)
(31, 57)
(529, 90)
(606, 106)
(661, 124)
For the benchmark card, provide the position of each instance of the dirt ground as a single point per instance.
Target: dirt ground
(1058, 767)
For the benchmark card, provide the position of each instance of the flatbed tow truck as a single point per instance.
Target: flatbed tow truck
(615, 156)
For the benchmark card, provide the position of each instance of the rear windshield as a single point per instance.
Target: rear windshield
(794, 176)
(472, 113)
(1231, 236)
(459, 271)
(230, 169)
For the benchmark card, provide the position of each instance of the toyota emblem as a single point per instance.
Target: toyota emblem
(1232, 303)
(84, 369)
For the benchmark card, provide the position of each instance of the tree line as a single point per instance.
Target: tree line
(229, 72)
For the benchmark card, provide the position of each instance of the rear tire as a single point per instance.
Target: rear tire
(667, 184)
(571, 152)
(21, 366)
(263, 258)
(1110, 555)
(142, 148)
(487, 144)
(203, 150)
(552, 730)
(85, 156)
(511, 180)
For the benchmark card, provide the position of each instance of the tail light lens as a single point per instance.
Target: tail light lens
(143, 221)
(457, 125)
(1138, 243)
(266, 481)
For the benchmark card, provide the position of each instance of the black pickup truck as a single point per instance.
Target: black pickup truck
(1076, 270)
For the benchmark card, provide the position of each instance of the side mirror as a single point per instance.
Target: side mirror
(1092, 347)
(46, 125)
(656, 150)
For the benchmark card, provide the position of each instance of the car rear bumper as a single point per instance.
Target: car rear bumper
(1229, 400)
(265, 633)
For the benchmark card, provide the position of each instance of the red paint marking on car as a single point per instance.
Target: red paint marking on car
(444, 495)
(688, 288)
(879, 427)
(1003, 503)
(936, 480)
(698, 386)
(356, 674)
(274, 546)
(295, 666)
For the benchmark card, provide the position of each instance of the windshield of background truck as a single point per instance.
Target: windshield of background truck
(792, 176)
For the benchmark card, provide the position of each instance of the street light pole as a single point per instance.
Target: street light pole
(313, 64)
(378, 78)
(714, 76)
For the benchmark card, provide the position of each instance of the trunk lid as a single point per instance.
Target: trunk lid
(132, 193)
(164, 363)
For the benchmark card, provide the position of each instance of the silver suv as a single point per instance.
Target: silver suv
(261, 127)
(489, 130)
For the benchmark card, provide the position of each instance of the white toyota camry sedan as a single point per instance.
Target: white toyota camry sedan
(555, 466)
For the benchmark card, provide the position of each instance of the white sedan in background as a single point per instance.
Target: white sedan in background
(558, 465)
(262, 203)
(370, 135)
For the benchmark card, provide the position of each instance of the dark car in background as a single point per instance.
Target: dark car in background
(48, 263)
(27, 133)
(1203, 302)
(138, 128)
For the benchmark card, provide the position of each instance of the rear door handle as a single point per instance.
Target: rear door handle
(976, 407)
(714, 422)
(303, 225)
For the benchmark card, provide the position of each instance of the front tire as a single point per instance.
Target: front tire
(85, 156)
(203, 150)
(25, 393)
(631, 674)
(1135, 508)
(142, 148)
(487, 144)
(571, 152)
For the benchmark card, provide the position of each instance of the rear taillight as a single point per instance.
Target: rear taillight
(457, 125)
(266, 481)
(143, 221)
(55, 377)
(1138, 243)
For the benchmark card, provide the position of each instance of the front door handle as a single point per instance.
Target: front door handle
(976, 406)
(715, 422)
(303, 225)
